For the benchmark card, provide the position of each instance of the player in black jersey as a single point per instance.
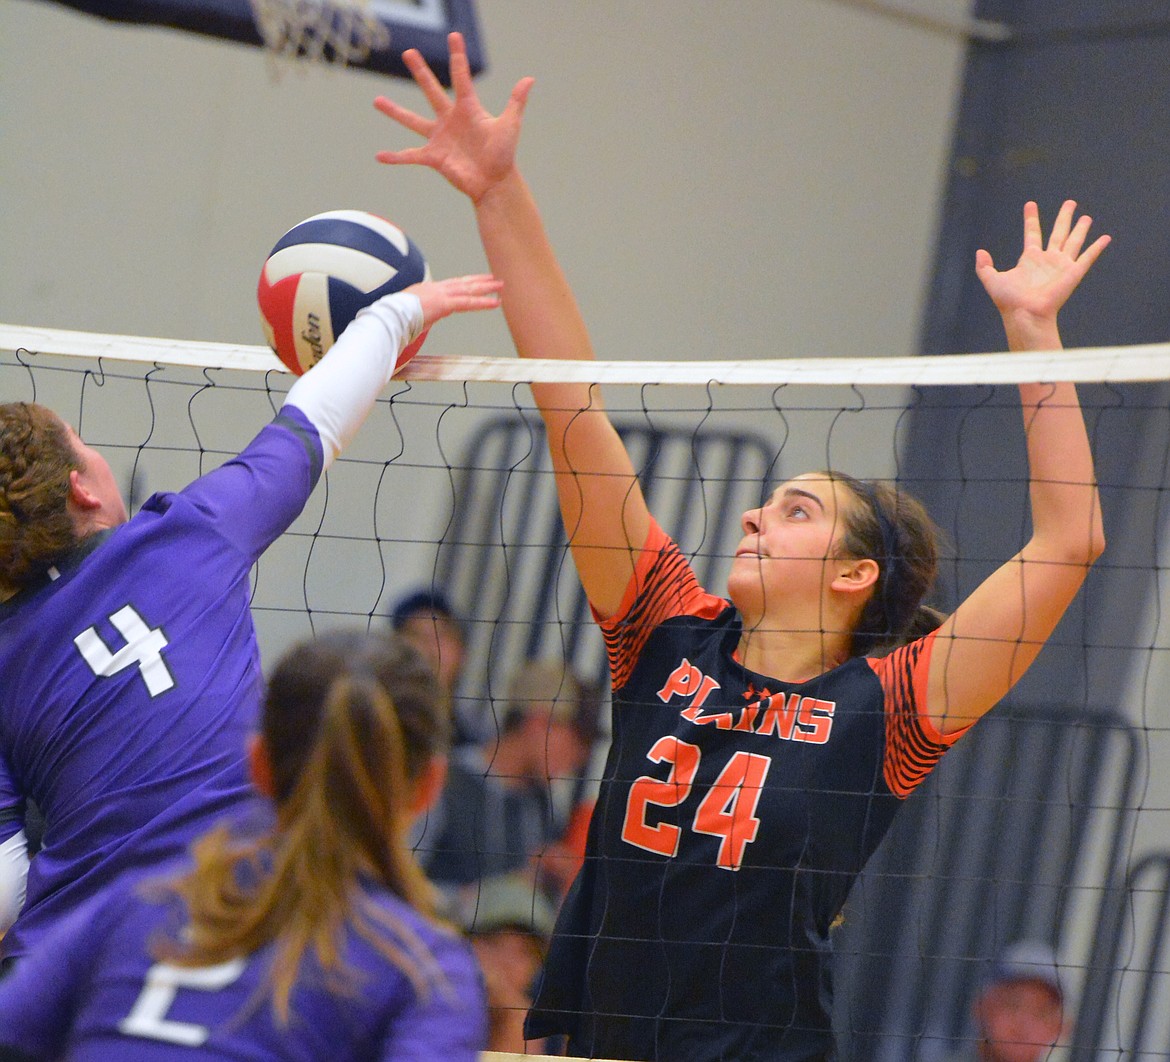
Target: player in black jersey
(761, 743)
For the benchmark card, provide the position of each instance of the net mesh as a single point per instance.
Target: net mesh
(1048, 821)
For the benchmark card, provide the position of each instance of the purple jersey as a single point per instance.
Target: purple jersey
(94, 992)
(132, 676)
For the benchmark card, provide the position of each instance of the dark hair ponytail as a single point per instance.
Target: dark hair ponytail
(892, 528)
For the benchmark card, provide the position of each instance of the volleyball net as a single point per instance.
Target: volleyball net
(1047, 823)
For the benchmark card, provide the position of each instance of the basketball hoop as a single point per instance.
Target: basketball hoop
(340, 32)
(367, 35)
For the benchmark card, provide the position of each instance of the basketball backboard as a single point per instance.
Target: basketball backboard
(421, 24)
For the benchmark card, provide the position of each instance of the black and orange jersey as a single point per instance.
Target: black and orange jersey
(734, 814)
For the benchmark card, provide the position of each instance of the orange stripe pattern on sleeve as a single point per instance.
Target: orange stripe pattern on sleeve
(663, 586)
(913, 743)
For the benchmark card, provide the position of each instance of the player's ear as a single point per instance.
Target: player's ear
(856, 575)
(80, 496)
(260, 767)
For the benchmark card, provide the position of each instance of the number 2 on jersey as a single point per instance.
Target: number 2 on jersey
(727, 811)
(148, 1017)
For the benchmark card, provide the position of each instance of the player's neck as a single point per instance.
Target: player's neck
(792, 655)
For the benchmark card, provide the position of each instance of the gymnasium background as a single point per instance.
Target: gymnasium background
(770, 178)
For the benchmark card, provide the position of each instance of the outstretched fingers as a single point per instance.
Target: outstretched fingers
(425, 78)
(1093, 251)
(473, 284)
(1030, 294)
(1061, 226)
(1033, 237)
(467, 145)
(439, 298)
(1069, 239)
(416, 123)
(1076, 238)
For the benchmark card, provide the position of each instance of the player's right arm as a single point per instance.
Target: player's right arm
(338, 393)
(605, 514)
(262, 491)
(13, 877)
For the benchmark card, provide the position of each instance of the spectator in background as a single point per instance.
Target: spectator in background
(497, 813)
(426, 619)
(1019, 1011)
(509, 923)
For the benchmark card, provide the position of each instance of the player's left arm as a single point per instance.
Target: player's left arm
(13, 876)
(984, 648)
(13, 849)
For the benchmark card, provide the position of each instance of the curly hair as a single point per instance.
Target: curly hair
(36, 528)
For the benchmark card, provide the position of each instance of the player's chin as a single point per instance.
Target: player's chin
(745, 582)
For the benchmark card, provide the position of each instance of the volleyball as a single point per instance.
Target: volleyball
(322, 272)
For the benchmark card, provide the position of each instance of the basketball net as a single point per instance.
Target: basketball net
(340, 32)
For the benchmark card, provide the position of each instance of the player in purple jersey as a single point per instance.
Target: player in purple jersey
(128, 655)
(761, 744)
(315, 939)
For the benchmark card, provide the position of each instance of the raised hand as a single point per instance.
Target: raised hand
(1031, 293)
(469, 146)
(441, 298)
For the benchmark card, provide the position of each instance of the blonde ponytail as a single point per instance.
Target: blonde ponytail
(342, 817)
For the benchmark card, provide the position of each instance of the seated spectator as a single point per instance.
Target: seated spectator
(509, 923)
(427, 619)
(496, 814)
(1019, 1011)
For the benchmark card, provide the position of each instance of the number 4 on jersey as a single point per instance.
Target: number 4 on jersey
(144, 646)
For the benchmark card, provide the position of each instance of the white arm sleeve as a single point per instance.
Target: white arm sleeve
(338, 392)
(13, 872)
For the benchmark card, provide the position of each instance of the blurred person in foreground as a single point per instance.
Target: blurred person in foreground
(311, 936)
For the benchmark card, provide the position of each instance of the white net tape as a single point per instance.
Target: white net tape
(1128, 364)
